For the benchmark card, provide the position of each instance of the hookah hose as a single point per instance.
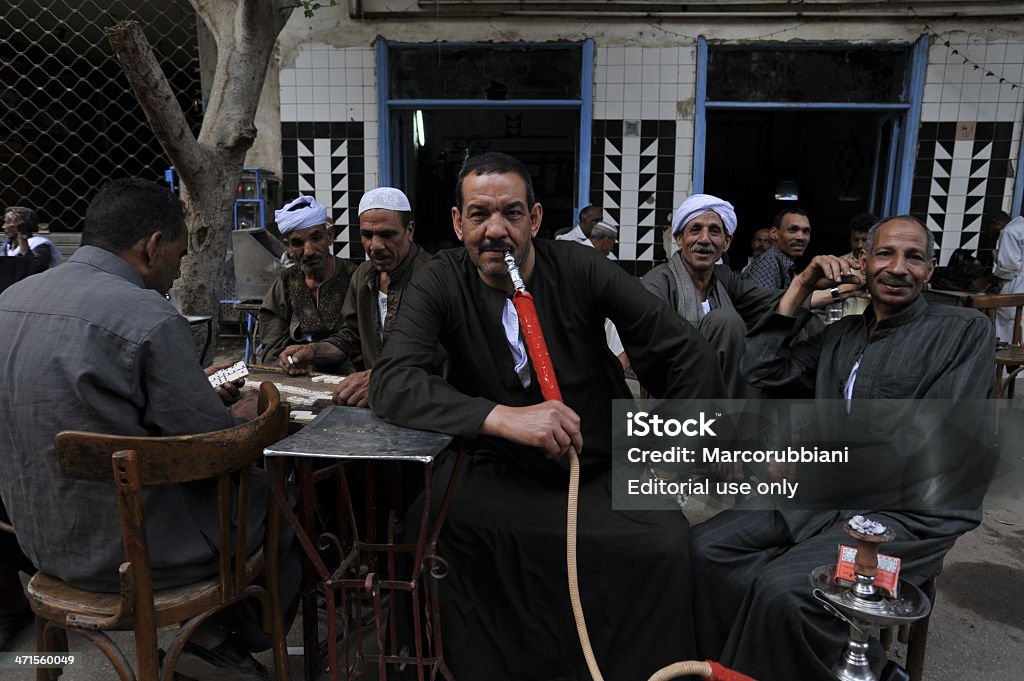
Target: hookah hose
(538, 350)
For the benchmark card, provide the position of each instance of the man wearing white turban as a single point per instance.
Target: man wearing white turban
(304, 304)
(374, 296)
(713, 298)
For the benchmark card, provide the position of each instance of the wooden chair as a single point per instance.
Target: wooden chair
(914, 636)
(227, 456)
(1011, 358)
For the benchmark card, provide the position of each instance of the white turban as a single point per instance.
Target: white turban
(302, 213)
(387, 198)
(702, 203)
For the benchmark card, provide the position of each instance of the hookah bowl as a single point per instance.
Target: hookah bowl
(863, 605)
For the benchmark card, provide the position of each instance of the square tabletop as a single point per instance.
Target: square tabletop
(354, 433)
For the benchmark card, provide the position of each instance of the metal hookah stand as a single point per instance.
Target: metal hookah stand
(863, 606)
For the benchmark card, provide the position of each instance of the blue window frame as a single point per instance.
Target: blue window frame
(907, 120)
(584, 105)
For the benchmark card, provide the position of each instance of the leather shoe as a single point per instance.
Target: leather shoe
(228, 661)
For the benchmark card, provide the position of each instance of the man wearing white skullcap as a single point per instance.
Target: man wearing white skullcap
(712, 297)
(374, 296)
(603, 237)
(304, 304)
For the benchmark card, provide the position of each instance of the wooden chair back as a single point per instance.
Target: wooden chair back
(130, 464)
(990, 303)
(1009, 359)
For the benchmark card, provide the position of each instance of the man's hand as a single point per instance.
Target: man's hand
(248, 406)
(294, 358)
(353, 390)
(550, 426)
(824, 272)
(820, 299)
(777, 472)
(732, 472)
(227, 392)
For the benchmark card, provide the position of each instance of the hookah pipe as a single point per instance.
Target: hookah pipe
(538, 350)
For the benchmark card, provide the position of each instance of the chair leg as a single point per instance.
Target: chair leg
(52, 638)
(147, 656)
(178, 644)
(916, 648)
(42, 648)
(117, 658)
(272, 569)
(917, 640)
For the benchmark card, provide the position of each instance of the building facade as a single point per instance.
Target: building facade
(881, 107)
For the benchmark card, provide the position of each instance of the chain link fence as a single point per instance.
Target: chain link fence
(68, 119)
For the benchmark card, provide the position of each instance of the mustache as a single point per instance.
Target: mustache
(892, 280)
(314, 259)
(703, 250)
(499, 245)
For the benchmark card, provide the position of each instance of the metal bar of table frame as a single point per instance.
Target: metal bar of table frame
(345, 435)
(194, 320)
(251, 310)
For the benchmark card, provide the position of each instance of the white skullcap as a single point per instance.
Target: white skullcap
(701, 203)
(387, 198)
(605, 229)
(302, 213)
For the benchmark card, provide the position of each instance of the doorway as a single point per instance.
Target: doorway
(831, 127)
(441, 103)
(833, 164)
(429, 146)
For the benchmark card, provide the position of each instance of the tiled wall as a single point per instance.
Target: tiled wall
(642, 147)
(633, 170)
(329, 133)
(961, 178)
(969, 137)
(641, 154)
(328, 161)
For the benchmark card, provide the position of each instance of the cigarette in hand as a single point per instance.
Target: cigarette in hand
(291, 361)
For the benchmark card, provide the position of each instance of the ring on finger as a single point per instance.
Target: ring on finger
(834, 291)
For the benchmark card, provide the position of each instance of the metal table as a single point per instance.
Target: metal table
(367, 569)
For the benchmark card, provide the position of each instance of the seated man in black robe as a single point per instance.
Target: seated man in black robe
(505, 607)
(753, 600)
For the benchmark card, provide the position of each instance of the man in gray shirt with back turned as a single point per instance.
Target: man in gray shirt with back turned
(93, 345)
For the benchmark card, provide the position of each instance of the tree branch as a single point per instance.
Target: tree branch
(155, 96)
(244, 52)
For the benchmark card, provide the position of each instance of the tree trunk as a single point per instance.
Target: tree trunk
(209, 167)
(210, 201)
